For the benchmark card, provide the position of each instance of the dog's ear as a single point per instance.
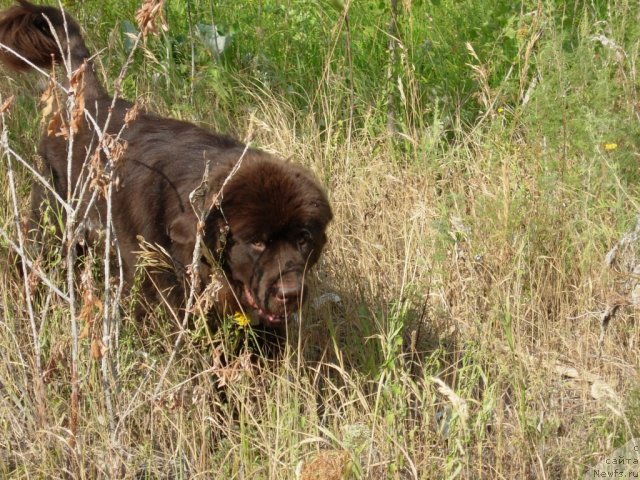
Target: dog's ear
(182, 230)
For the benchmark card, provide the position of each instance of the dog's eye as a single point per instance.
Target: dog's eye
(258, 245)
(304, 237)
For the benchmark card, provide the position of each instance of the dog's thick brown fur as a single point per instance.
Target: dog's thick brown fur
(266, 229)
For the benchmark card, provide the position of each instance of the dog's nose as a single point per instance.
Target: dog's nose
(288, 294)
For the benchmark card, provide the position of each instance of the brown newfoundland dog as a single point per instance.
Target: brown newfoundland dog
(262, 220)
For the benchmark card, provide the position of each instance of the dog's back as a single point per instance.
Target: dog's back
(162, 159)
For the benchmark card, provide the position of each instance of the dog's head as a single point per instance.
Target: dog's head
(275, 214)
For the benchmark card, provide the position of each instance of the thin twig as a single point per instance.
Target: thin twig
(201, 213)
(393, 59)
(43, 181)
(39, 384)
(106, 317)
(33, 65)
(34, 269)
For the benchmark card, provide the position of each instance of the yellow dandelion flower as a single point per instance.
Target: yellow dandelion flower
(241, 319)
(610, 146)
(500, 110)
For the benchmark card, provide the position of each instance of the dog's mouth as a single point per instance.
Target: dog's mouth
(267, 318)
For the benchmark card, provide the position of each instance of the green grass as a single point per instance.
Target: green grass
(476, 193)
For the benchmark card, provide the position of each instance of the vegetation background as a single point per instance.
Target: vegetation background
(481, 159)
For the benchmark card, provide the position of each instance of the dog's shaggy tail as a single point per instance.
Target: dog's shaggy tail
(28, 30)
